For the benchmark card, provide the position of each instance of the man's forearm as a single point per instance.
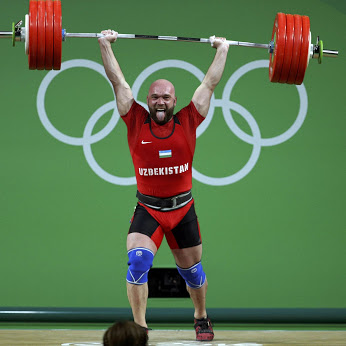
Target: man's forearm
(215, 71)
(201, 97)
(123, 93)
(111, 65)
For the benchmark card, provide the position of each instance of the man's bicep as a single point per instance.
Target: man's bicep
(201, 99)
(124, 98)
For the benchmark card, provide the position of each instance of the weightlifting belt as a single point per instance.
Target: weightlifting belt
(165, 204)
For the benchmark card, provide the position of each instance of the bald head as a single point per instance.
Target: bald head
(161, 101)
(162, 86)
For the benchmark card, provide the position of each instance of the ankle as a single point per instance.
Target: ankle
(142, 324)
(200, 316)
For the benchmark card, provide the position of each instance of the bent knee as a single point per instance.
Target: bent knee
(140, 262)
(194, 276)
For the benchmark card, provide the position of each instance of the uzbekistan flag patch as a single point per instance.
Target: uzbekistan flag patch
(165, 153)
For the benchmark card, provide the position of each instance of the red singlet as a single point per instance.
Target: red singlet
(162, 154)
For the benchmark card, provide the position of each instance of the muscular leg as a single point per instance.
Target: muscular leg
(198, 297)
(138, 294)
(186, 258)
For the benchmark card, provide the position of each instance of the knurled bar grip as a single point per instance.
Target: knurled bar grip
(168, 38)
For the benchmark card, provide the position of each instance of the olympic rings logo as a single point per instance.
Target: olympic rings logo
(227, 106)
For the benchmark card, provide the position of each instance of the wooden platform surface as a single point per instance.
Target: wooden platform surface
(58, 337)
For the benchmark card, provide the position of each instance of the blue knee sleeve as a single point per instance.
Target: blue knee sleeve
(140, 262)
(193, 276)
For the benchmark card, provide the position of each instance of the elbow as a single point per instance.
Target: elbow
(210, 84)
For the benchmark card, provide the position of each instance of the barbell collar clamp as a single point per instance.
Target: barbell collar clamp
(18, 24)
(271, 47)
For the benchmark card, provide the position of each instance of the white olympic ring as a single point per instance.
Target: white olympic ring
(225, 103)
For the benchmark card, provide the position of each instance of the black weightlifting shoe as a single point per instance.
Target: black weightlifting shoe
(204, 329)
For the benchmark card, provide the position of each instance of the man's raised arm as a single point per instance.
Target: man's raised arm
(122, 90)
(203, 93)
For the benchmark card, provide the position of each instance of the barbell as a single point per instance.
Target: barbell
(290, 47)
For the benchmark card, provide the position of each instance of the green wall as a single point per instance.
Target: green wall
(274, 236)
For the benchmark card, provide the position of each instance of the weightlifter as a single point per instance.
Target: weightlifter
(162, 146)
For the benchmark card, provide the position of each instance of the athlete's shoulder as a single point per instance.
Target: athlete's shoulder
(186, 109)
(190, 114)
(135, 116)
(136, 109)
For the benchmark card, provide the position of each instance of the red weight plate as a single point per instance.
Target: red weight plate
(288, 48)
(33, 35)
(304, 52)
(277, 57)
(41, 34)
(296, 49)
(57, 35)
(49, 34)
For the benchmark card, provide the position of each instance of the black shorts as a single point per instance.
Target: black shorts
(180, 227)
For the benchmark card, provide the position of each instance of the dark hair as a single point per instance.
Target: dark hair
(125, 333)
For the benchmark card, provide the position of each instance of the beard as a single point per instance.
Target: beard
(160, 118)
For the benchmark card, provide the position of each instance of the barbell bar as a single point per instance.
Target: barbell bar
(290, 47)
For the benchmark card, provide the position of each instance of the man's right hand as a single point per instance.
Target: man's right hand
(217, 42)
(110, 36)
